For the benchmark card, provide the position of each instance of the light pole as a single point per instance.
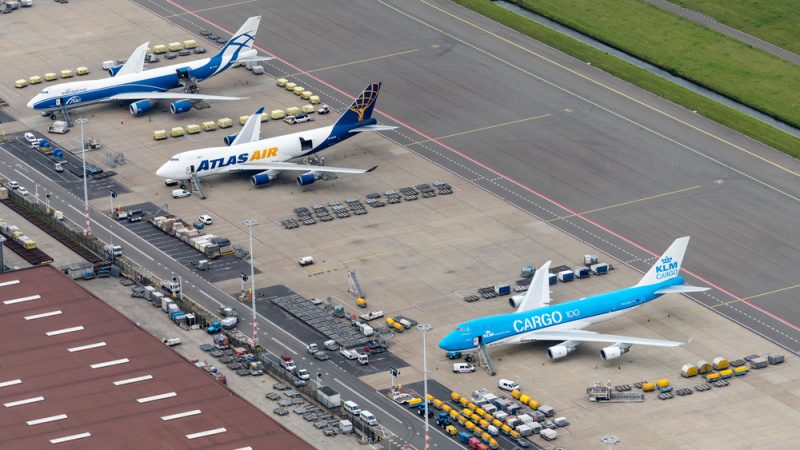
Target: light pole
(47, 202)
(250, 224)
(111, 196)
(424, 327)
(88, 230)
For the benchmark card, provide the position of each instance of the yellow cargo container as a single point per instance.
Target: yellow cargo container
(290, 86)
(451, 430)
(455, 396)
(16, 234)
(469, 425)
(524, 399)
(29, 244)
(243, 119)
(177, 132)
(174, 46)
(437, 403)
(475, 418)
(515, 434)
(35, 79)
(446, 408)
(193, 128)
(497, 423)
(305, 95)
(727, 373)
(493, 444)
(314, 99)
(398, 327)
(82, 70)
(281, 82)
(298, 90)
(467, 412)
(159, 134)
(278, 114)
(662, 383)
(506, 429)
(484, 423)
(741, 370)
(648, 387)
(516, 394)
(430, 397)
(480, 412)
(50, 76)
(712, 376)
(264, 117)
(688, 370)
(454, 414)
(159, 49)
(461, 419)
(533, 404)
(308, 109)
(21, 83)
(464, 401)
(66, 73)
(225, 122)
(189, 43)
(209, 125)
(720, 363)
(414, 401)
(292, 111)
(472, 406)
(485, 436)
(703, 367)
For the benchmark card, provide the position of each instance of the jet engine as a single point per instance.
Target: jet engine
(114, 69)
(308, 178)
(180, 106)
(263, 178)
(516, 300)
(561, 350)
(140, 107)
(614, 351)
(229, 139)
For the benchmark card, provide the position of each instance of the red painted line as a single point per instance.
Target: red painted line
(490, 169)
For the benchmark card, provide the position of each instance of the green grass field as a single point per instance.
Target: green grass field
(774, 21)
(646, 80)
(723, 64)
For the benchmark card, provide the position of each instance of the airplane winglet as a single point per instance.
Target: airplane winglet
(371, 169)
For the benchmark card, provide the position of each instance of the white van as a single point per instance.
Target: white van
(351, 407)
(507, 385)
(463, 368)
(368, 418)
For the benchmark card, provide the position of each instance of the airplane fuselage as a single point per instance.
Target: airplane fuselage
(575, 314)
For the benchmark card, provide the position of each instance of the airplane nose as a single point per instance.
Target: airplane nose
(32, 102)
(163, 171)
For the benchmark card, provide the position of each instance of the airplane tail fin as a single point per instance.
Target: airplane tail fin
(134, 64)
(240, 42)
(362, 106)
(668, 265)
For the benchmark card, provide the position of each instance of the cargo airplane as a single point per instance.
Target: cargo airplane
(269, 157)
(536, 320)
(130, 82)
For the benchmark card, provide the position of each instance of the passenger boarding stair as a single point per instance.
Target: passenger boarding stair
(487, 359)
(355, 286)
(198, 186)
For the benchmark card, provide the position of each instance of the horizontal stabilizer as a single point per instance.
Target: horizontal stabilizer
(254, 59)
(372, 128)
(681, 289)
(169, 96)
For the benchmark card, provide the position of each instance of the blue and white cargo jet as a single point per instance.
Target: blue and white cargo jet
(130, 82)
(536, 320)
(269, 157)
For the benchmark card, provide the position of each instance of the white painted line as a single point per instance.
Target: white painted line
(284, 345)
(368, 401)
(70, 438)
(23, 402)
(193, 412)
(244, 448)
(109, 363)
(47, 419)
(22, 299)
(43, 315)
(65, 330)
(10, 382)
(156, 397)
(116, 237)
(9, 283)
(22, 174)
(206, 433)
(86, 347)
(133, 380)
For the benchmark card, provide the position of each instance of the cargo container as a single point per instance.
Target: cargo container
(712, 376)
(50, 76)
(174, 46)
(524, 430)
(329, 397)
(225, 122)
(209, 125)
(552, 279)
(502, 289)
(547, 410)
(159, 49)
(662, 383)
(565, 276)
(455, 396)
(305, 95)
(548, 434)
(727, 373)
(758, 363)
(648, 387)
(599, 269)
(515, 434)
(741, 370)
(189, 43)
(159, 135)
(83, 70)
(688, 370)
(500, 415)
(281, 82)
(289, 86)
(292, 111)
(314, 99)
(703, 367)
(193, 128)
(720, 363)
(533, 404)
(775, 358)
(581, 272)
(298, 90)
(66, 73)
(277, 114)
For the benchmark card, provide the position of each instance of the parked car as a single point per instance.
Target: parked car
(30, 138)
(13, 185)
(298, 118)
(463, 368)
(205, 219)
(171, 182)
(322, 356)
(22, 190)
(323, 109)
(180, 193)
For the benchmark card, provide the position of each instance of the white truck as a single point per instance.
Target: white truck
(113, 250)
(362, 358)
(372, 315)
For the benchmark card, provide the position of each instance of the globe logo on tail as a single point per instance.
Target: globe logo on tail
(365, 100)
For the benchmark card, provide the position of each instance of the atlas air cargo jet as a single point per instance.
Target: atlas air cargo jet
(536, 320)
(130, 82)
(269, 157)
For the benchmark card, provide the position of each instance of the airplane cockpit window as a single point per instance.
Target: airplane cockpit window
(174, 158)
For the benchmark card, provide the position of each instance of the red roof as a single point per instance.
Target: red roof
(88, 396)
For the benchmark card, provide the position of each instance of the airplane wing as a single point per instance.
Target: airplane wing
(681, 289)
(372, 128)
(135, 63)
(589, 336)
(538, 293)
(168, 96)
(292, 166)
(254, 59)
(251, 131)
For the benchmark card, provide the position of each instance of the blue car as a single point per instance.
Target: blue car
(215, 327)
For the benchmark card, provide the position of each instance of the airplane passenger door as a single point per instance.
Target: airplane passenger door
(306, 145)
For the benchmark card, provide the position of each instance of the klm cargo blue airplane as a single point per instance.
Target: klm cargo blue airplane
(130, 82)
(536, 320)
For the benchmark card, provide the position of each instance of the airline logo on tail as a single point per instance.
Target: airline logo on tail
(667, 268)
(365, 100)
